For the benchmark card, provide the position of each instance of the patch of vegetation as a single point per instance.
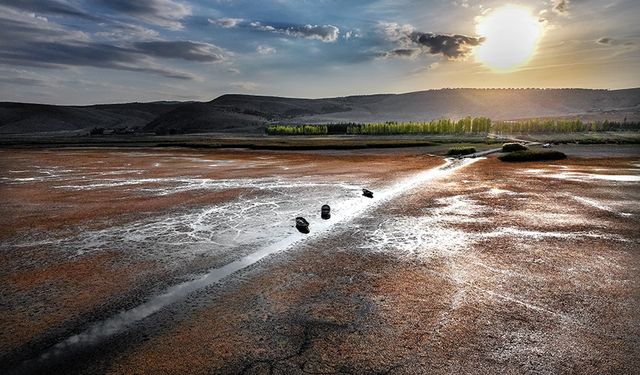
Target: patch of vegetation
(461, 150)
(468, 126)
(297, 129)
(561, 126)
(511, 147)
(532, 155)
(96, 131)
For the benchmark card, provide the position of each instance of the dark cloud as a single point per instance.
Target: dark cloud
(561, 6)
(57, 55)
(22, 81)
(451, 46)
(325, 33)
(112, 28)
(615, 42)
(27, 40)
(20, 27)
(186, 50)
(605, 40)
(401, 52)
(166, 13)
(411, 43)
(55, 7)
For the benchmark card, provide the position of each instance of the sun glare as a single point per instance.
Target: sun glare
(511, 36)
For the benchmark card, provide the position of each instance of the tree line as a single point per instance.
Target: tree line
(466, 125)
(297, 129)
(562, 126)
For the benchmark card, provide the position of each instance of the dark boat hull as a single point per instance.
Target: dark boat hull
(325, 212)
(302, 225)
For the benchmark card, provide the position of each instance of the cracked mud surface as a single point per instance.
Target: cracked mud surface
(88, 233)
(495, 268)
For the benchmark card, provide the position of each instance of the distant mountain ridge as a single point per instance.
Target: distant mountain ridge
(234, 113)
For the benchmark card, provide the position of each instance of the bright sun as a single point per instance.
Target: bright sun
(511, 36)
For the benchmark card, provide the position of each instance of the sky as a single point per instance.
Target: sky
(110, 51)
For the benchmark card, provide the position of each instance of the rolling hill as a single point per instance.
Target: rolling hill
(250, 114)
(25, 118)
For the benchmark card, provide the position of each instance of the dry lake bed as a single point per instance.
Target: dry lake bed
(178, 261)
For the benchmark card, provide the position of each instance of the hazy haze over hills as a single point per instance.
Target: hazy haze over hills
(249, 114)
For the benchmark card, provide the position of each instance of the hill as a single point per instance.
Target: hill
(250, 114)
(25, 118)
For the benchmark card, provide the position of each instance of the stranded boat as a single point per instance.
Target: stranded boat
(367, 193)
(325, 212)
(302, 224)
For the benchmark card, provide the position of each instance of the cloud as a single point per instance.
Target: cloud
(324, 33)
(227, 23)
(125, 31)
(410, 42)
(560, 6)
(451, 46)
(614, 42)
(113, 29)
(462, 3)
(54, 7)
(261, 27)
(165, 13)
(352, 34)
(52, 55)
(18, 26)
(27, 40)
(554, 12)
(22, 81)
(401, 52)
(23, 77)
(245, 86)
(397, 33)
(265, 50)
(185, 50)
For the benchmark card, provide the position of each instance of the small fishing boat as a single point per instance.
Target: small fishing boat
(325, 212)
(302, 224)
(367, 193)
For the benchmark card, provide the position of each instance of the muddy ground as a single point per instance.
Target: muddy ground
(489, 268)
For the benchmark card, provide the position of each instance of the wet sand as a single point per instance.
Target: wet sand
(495, 268)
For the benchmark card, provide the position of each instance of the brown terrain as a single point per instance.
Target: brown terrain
(490, 268)
(51, 195)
